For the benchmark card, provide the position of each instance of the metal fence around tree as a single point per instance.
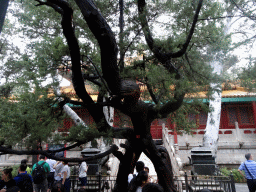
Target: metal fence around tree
(186, 183)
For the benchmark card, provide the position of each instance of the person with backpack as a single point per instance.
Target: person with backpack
(40, 171)
(23, 180)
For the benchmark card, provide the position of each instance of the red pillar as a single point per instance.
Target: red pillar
(175, 134)
(254, 111)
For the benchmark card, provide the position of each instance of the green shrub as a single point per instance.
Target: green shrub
(15, 170)
(237, 176)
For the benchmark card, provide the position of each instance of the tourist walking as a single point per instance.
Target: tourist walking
(152, 187)
(50, 177)
(138, 182)
(139, 167)
(65, 174)
(28, 169)
(40, 171)
(58, 187)
(7, 181)
(249, 168)
(23, 180)
(83, 174)
(57, 174)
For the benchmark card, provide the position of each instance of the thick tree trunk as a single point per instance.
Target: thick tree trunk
(143, 142)
(126, 166)
(211, 135)
(162, 163)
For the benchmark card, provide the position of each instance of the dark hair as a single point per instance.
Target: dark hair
(81, 190)
(8, 172)
(23, 167)
(65, 162)
(13, 189)
(146, 168)
(24, 161)
(205, 190)
(58, 187)
(152, 187)
(248, 155)
(41, 157)
(140, 166)
(141, 178)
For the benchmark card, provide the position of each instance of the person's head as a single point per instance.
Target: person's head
(65, 162)
(57, 187)
(42, 157)
(152, 187)
(7, 174)
(24, 161)
(146, 169)
(139, 166)
(248, 156)
(142, 178)
(205, 190)
(23, 167)
(81, 190)
(13, 189)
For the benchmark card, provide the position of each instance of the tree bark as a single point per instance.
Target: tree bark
(211, 135)
(107, 43)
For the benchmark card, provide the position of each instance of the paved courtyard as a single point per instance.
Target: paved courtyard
(241, 187)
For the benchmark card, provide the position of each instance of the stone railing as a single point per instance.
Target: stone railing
(173, 152)
(231, 138)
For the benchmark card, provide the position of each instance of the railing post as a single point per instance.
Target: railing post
(186, 181)
(233, 187)
(99, 181)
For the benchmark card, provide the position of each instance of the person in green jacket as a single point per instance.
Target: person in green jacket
(42, 186)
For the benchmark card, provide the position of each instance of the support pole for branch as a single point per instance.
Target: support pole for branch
(3, 10)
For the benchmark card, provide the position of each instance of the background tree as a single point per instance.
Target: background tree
(171, 66)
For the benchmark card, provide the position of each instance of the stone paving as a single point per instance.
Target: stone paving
(241, 187)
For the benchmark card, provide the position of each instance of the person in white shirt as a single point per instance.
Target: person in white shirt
(58, 166)
(65, 174)
(50, 176)
(83, 174)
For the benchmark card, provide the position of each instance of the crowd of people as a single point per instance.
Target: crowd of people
(54, 176)
(141, 181)
(45, 176)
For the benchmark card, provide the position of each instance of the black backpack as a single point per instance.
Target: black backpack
(39, 174)
(26, 185)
